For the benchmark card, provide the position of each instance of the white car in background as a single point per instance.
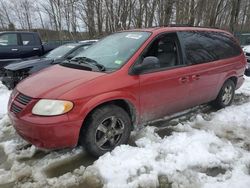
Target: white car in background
(246, 50)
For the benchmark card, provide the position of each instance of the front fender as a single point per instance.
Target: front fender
(94, 102)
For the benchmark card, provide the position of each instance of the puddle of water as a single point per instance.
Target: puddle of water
(38, 155)
(88, 184)
(8, 185)
(68, 165)
(215, 171)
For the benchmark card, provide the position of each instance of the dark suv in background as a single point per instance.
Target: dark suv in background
(18, 45)
(15, 72)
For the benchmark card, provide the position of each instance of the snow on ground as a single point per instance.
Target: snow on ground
(205, 149)
(4, 95)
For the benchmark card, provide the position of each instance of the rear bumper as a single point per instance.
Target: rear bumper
(56, 135)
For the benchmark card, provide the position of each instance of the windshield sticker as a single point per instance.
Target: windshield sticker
(134, 36)
(118, 62)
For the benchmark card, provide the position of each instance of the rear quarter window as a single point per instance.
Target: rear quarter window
(202, 47)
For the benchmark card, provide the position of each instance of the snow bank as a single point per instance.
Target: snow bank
(189, 156)
(4, 97)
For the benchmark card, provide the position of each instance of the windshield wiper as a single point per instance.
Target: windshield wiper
(89, 61)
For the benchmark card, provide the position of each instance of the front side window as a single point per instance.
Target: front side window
(115, 50)
(8, 40)
(165, 49)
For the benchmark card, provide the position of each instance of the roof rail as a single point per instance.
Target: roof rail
(188, 25)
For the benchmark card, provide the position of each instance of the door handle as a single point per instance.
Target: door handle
(183, 79)
(14, 49)
(195, 77)
(35, 49)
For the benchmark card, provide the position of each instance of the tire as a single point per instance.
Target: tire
(107, 127)
(226, 95)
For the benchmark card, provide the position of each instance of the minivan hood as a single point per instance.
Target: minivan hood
(54, 81)
(27, 64)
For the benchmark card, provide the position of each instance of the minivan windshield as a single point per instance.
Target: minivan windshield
(114, 50)
(60, 51)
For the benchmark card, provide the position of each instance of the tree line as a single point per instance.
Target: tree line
(100, 17)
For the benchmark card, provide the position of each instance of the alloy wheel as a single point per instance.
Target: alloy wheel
(109, 133)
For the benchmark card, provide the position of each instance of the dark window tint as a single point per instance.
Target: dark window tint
(28, 39)
(8, 40)
(202, 47)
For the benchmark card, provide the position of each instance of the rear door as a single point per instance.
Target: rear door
(163, 90)
(206, 54)
(31, 45)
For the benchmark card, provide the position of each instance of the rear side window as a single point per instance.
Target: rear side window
(203, 47)
(8, 39)
(28, 39)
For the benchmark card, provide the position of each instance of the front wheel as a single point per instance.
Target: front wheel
(106, 128)
(226, 95)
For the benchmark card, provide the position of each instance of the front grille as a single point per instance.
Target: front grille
(23, 99)
(15, 109)
(247, 54)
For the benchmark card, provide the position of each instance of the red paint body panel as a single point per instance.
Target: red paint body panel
(152, 95)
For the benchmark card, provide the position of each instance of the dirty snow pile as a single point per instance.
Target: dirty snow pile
(4, 96)
(210, 149)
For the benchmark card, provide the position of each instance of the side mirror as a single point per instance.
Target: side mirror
(247, 72)
(148, 63)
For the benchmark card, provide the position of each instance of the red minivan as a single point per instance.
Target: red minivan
(127, 79)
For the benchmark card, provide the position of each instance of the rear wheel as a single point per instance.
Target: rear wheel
(106, 128)
(226, 95)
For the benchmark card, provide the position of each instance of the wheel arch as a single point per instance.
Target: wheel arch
(126, 102)
(234, 79)
(123, 103)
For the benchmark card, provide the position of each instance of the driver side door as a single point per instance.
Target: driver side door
(164, 90)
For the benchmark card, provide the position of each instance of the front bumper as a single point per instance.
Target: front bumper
(54, 132)
(56, 135)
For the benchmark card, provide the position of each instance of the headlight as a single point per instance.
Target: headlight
(47, 107)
